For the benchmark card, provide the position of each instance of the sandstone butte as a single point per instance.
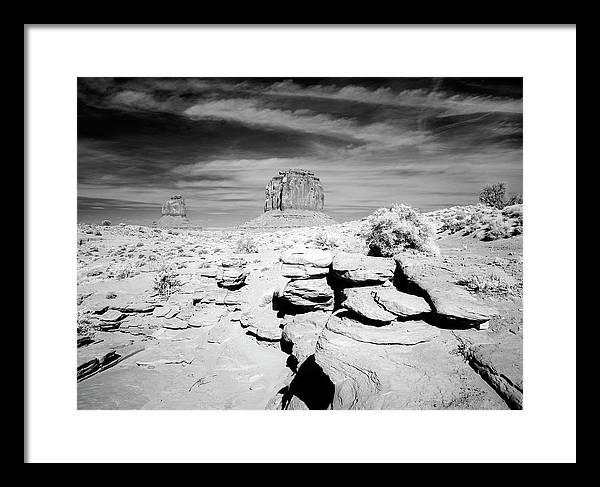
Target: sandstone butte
(294, 189)
(174, 213)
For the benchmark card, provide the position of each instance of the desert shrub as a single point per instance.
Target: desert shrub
(165, 281)
(497, 228)
(123, 271)
(493, 195)
(515, 212)
(392, 230)
(515, 199)
(323, 241)
(246, 245)
(492, 283)
(106, 223)
(456, 221)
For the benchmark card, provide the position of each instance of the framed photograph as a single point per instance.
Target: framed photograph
(333, 231)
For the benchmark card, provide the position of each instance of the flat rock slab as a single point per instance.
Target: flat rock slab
(501, 365)
(399, 303)
(450, 302)
(165, 311)
(305, 256)
(135, 307)
(207, 315)
(222, 332)
(112, 315)
(359, 269)
(210, 272)
(397, 333)
(174, 324)
(361, 301)
(297, 271)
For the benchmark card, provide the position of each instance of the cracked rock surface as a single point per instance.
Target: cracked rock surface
(293, 325)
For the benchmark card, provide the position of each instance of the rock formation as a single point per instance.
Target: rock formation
(174, 206)
(294, 189)
(174, 212)
(294, 198)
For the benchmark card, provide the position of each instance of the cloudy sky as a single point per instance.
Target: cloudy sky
(427, 142)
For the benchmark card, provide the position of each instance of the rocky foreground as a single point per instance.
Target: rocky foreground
(298, 318)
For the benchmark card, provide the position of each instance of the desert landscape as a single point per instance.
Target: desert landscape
(293, 310)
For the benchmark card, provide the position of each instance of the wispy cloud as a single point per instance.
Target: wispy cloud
(425, 142)
(451, 104)
(253, 112)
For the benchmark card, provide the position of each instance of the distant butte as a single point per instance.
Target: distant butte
(294, 189)
(174, 213)
(294, 198)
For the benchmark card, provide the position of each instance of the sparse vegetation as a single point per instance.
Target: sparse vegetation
(166, 282)
(324, 241)
(389, 231)
(246, 245)
(491, 283)
(495, 196)
(515, 199)
(497, 228)
(123, 271)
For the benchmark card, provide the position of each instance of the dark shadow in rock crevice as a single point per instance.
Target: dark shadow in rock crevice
(348, 313)
(402, 284)
(312, 386)
(448, 323)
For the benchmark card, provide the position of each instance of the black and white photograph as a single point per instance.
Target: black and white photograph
(232, 242)
(333, 243)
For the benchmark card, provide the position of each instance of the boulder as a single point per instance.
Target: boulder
(231, 277)
(359, 269)
(361, 301)
(301, 333)
(401, 304)
(310, 294)
(294, 189)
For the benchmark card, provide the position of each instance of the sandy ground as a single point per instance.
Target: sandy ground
(189, 350)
